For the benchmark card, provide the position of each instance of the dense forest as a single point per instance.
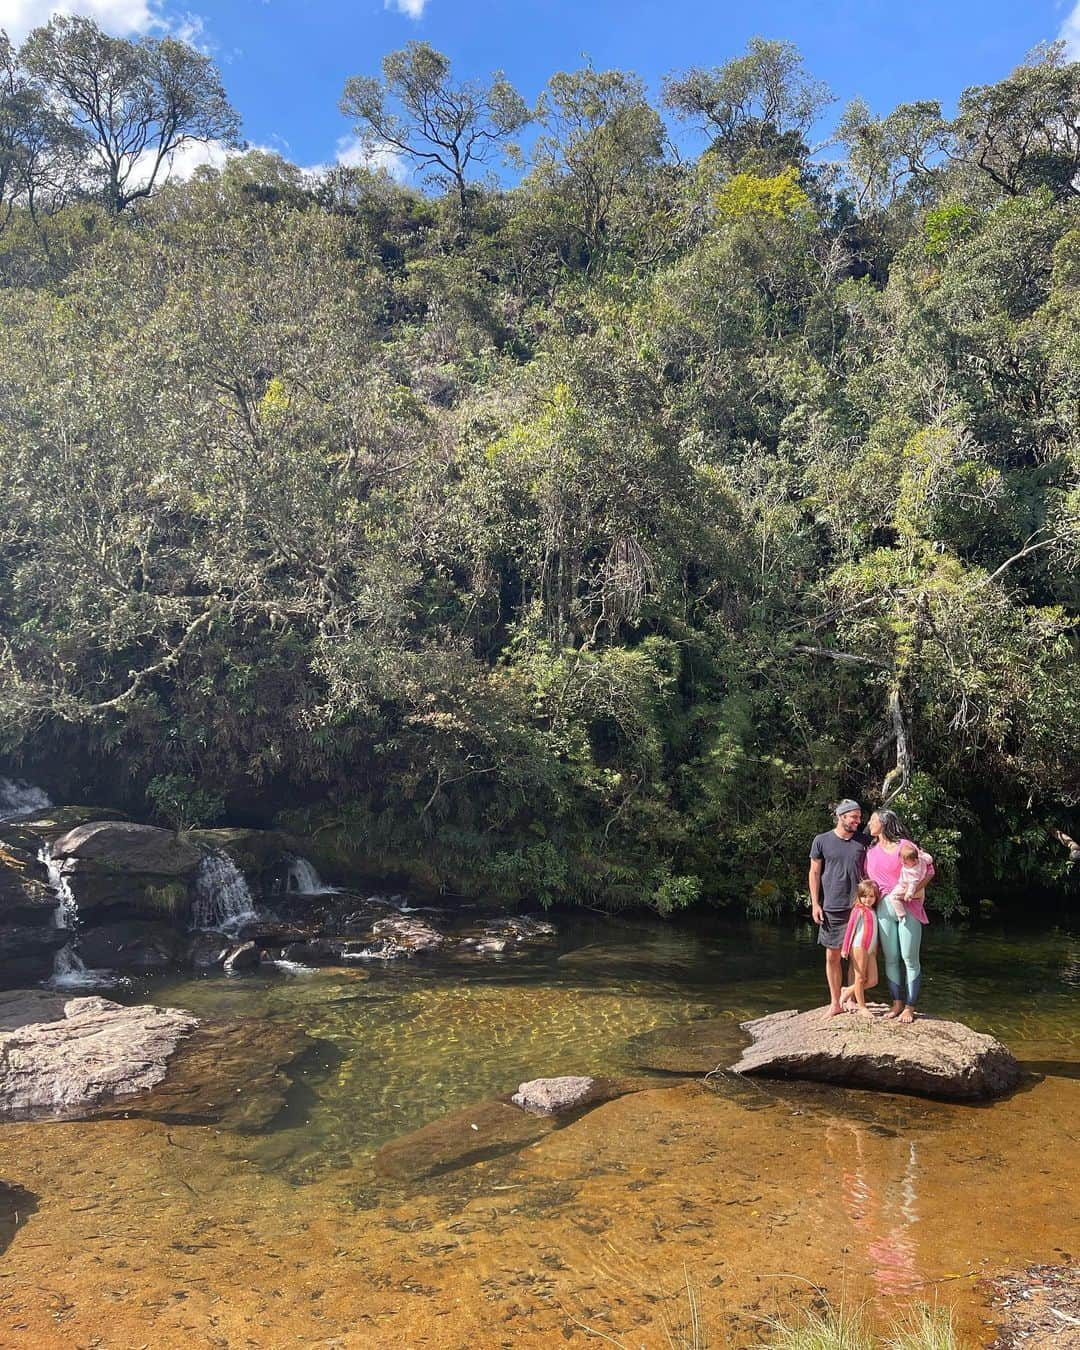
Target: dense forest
(576, 525)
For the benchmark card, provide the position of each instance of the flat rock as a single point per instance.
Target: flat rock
(931, 1057)
(124, 846)
(59, 1056)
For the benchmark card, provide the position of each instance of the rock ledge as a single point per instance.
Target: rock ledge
(931, 1057)
(59, 1056)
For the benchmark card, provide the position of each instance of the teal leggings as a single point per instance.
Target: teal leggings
(901, 940)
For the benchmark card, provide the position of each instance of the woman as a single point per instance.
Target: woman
(901, 936)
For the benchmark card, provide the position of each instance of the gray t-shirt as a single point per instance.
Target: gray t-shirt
(844, 867)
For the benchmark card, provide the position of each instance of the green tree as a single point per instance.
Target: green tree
(1024, 132)
(41, 155)
(601, 138)
(137, 102)
(442, 127)
(758, 107)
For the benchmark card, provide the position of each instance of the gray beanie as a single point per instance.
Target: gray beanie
(842, 808)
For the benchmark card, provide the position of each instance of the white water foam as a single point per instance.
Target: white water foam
(69, 970)
(222, 901)
(303, 879)
(19, 798)
(293, 967)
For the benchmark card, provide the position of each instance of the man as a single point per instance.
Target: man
(837, 865)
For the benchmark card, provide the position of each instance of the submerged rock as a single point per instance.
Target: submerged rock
(460, 1139)
(549, 1096)
(931, 1057)
(493, 1128)
(689, 1048)
(59, 1056)
(231, 1073)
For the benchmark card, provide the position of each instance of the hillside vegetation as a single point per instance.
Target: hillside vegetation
(582, 538)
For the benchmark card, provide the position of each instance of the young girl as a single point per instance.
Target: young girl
(916, 869)
(860, 943)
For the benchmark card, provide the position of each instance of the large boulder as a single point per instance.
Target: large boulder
(137, 945)
(60, 1056)
(929, 1057)
(118, 869)
(124, 846)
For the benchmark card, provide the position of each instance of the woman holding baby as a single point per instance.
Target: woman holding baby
(900, 871)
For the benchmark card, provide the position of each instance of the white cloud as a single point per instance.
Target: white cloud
(352, 151)
(413, 8)
(182, 163)
(122, 18)
(1070, 33)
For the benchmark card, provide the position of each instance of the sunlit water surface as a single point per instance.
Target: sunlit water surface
(757, 1196)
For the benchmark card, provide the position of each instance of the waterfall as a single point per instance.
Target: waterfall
(18, 798)
(222, 899)
(302, 879)
(69, 970)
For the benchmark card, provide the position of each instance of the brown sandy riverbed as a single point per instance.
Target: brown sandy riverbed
(145, 1234)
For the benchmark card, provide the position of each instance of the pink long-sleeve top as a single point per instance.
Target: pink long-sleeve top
(884, 868)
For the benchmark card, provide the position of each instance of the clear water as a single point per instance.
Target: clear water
(403, 1042)
(742, 1204)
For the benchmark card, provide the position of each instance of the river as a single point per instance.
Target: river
(739, 1204)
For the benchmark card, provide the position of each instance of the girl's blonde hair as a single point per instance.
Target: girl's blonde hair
(867, 891)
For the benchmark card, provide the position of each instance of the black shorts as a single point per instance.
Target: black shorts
(833, 927)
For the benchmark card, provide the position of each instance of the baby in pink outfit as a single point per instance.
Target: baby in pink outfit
(916, 868)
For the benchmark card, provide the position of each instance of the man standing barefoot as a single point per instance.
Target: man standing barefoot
(837, 865)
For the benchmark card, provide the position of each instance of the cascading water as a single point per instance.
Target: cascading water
(18, 798)
(69, 970)
(302, 879)
(222, 901)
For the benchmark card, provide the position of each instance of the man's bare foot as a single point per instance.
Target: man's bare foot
(907, 1017)
(894, 1012)
(834, 1010)
(864, 1011)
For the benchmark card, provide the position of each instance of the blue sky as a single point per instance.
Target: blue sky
(284, 61)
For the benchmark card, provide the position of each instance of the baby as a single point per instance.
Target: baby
(860, 943)
(916, 869)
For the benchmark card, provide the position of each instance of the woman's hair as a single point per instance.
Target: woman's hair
(867, 890)
(890, 824)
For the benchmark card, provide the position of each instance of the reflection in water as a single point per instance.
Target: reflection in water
(881, 1206)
